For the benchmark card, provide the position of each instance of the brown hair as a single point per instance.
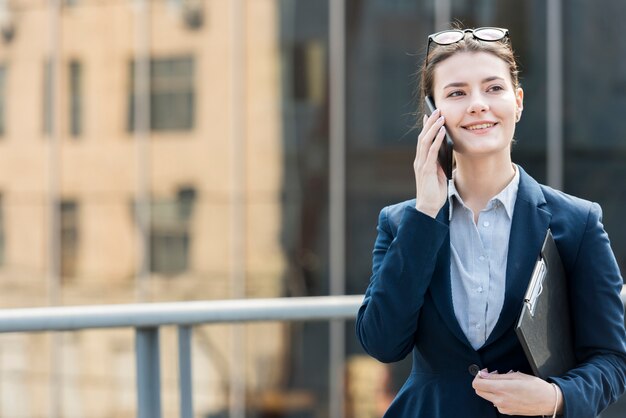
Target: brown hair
(439, 53)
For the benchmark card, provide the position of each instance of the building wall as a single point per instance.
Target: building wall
(99, 169)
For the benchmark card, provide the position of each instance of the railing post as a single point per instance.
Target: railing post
(184, 371)
(148, 373)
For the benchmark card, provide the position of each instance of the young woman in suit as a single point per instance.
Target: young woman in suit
(450, 267)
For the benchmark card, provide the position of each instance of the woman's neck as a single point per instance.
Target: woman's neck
(478, 181)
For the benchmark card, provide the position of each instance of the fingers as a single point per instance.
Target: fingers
(510, 375)
(428, 122)
(428, 137)
(488, 385)
(430, 179)
(433, 151)
(515, 393)
(488, 389)
(429, 128)
(419, 147)
(489, 382)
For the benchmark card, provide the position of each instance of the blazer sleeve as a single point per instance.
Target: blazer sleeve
(402, 268)
(598, 317)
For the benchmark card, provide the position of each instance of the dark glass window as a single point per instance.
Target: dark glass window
(309, 84)
(304, 40)
(385, 44)
(172, 94)
(76, 98)
(594, 129)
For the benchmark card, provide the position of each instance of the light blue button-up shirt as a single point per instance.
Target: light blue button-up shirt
(478, 260)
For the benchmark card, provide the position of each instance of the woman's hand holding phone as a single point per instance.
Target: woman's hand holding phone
(430, 179)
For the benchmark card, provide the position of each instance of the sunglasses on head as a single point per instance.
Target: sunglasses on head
(452, 36)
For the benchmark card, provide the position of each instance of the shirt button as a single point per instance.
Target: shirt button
(480, 290)
(477, 326)
(473, 369)
(486, 224)
(481, 258)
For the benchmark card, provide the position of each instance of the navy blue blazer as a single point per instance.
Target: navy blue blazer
(408, 307)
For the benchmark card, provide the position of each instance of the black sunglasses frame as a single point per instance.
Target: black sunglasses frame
(475, 33)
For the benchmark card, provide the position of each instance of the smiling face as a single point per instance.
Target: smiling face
(475, 94)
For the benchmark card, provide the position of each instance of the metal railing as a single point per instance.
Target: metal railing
(147, 318)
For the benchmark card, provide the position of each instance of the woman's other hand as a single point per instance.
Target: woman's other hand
(517, 393)
(430, 180)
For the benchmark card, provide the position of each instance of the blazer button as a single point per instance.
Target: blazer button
(473, 369)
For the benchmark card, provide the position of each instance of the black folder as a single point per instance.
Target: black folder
(544, 326)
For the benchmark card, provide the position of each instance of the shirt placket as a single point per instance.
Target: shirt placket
(478, 286)
(485, 227)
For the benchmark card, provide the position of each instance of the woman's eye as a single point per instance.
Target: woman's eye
(455, 93)
(495, 88)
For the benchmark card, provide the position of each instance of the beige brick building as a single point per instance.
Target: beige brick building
(93, 174)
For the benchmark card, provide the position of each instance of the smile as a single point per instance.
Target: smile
(479, 126)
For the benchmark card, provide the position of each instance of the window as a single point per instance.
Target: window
(170, 236)
(170, 232)
(75, 111)
(172, 95)
(309, 79)
(69, 238)
(3, 73)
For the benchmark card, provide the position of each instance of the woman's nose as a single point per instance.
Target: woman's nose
(477, 105)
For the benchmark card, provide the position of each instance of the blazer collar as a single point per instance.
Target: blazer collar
(528, 228)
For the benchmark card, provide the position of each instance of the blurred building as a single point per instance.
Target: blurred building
(73, 166)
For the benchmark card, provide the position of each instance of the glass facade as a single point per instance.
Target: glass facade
(594, 96)
(385, 43)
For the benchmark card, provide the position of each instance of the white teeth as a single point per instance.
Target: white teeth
(481, 126)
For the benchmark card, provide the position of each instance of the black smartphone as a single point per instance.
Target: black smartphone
(445, 151)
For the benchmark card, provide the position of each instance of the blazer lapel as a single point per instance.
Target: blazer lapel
(528, 229)
(441, 285)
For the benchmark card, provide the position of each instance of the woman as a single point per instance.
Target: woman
(450, 267)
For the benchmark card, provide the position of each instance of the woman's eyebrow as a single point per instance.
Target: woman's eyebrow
(457, 84)
(492, 78)
(463, 84)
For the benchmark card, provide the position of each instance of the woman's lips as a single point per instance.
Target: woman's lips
(480, 127)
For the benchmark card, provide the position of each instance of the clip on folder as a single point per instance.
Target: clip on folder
(544, 326)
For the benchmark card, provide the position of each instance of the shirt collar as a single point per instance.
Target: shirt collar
(506, 197)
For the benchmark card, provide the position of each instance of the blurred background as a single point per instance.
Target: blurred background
(172, 150)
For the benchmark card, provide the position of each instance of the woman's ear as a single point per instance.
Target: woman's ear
(519, 102)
